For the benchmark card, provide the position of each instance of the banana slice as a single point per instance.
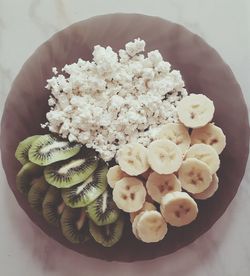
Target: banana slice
(129, 194)
(160, 184)
(134, 225)
(178, 208)
(151, 226)
(115, 174)
(195, 110)
(210, 191)
(210, 135)
(132, 159)
(206, 154)
(176, 133)
(194, 175)
(164, 156)
(147, 206)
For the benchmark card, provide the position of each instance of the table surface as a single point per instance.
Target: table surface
(225, 248)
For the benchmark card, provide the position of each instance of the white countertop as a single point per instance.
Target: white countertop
(225, 249)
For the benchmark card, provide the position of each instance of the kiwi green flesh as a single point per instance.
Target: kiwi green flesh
(28, 173)
(37, 194)
(48, 149)
(53, 206)
(74, 225)
(107, 235)
(65, 174)
(86, 192)
(23, 147)
(103, 210)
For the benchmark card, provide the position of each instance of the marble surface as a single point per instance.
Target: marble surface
(25, 250)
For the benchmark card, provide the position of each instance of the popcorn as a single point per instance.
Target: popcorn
(114, 99)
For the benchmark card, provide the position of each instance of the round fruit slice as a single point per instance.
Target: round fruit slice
(195, 110)
(151, 227)
(210, 135)
(178, 208)
(37, 193)
(164, 156)
(129, 194)
(115, 174)
(26, 175)
(67, 173)
(103, 210)
(107, 235)
(134, 224)
(132, 159)
(48, 149)
(147, 206)
(194, 175)
(177, 133)
(83, 194)
(23, 147)
(160, 184)
(53, 206)
(206, 154)
(74, 225)
(210, 191)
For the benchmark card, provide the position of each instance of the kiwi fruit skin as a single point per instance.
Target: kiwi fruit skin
(23, 147)
(53, 206)
(74, 225)
(67, 173)
(28, 173)
(83, 194)
(103, 210)
(37, 193)
(48, 149)
(107, 235)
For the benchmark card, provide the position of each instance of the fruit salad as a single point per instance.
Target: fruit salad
(154, 173)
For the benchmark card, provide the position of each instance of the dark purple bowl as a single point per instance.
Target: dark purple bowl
(203, 71)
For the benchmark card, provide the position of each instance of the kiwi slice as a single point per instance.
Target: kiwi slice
(83, 194)
(53, 206)
(103, 210)
(28, 173)
(67, 173)
(37, 193)
(74, 225)
(107, 235)
(48, 149)
(23, 147)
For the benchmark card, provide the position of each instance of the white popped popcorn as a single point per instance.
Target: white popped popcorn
(115, 99)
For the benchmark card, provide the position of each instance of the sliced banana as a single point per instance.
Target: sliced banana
(147, 206)
(151, 227)
(206, 154)
(115, 174)
(134, 225)
(210, 191)
(129, 194)
(164, 156)
(132, 159)
(160, 184)
(177, 133)
(210, 135)
(194, 175)
(195, 110)
(178, 208)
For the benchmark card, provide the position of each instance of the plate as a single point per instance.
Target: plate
(203, 71)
